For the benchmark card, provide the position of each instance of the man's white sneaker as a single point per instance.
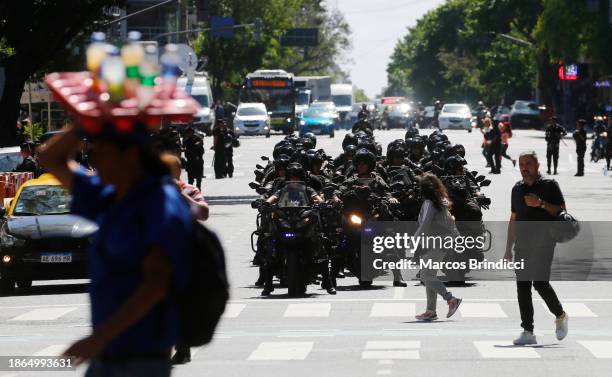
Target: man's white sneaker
(525, 339)
(561, 326)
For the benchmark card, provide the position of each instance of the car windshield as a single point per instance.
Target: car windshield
(42, 200)
(302, 98)
(521, 105)
(342, 100)
(202, 99)
(294, 194)
(456, 109)
(318, 112)
(251, 111)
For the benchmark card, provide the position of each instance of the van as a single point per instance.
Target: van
(199, 88)
(342, 96)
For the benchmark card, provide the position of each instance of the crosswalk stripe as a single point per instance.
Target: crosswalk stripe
(482, 310)
(391, 349)
(601, 349)
(575, 310)
(500, 349)
(401, 355)
(392, 344)
(307, 310)
(383, 309)
(233, 310)
(281, 351)
(54, 350)
(398, 293)
(45, 314)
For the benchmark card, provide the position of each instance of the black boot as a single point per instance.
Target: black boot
(182, 355)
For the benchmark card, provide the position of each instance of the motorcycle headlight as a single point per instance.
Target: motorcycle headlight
(302, 123)
(355, 219)
(7, 240)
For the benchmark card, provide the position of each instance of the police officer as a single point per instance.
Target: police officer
(194, 154)
(437, 109)
(364, 113)
(553, 136)
(224, 141)
(580, 137)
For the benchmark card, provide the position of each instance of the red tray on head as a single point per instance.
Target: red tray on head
(75, 92)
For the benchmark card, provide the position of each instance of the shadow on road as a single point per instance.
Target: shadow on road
(52, 289)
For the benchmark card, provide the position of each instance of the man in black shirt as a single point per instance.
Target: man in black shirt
(194, 154)
(29, 163)
(554, 134)
(535, 200)
(580, 137)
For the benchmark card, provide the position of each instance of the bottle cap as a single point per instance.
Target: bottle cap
(98, 36)
(134, 36)
(171, 47)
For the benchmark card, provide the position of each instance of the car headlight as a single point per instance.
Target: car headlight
(302, 123)
(237, 128)
(288, 120)
(355, 219)
(7, 240)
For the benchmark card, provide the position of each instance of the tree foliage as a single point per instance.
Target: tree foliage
(463, 50)
(229, 60)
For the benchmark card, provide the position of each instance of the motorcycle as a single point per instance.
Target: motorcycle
(599, 147)
(294, 237)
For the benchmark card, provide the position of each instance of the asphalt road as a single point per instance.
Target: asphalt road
(358, 332)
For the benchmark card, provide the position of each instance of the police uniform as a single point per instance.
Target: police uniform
(580, 136)
(553, 136)
(194, 154)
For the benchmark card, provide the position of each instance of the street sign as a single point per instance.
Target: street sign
(222, 27)
(300, 38)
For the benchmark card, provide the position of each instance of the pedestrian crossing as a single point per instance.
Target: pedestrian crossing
(366, 308)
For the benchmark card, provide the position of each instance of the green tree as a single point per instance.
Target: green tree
(33, 33)
(359, 95)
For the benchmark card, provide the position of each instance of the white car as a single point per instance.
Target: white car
(455, 116)
(252, 119)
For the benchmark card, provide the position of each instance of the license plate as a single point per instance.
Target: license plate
(56, 257)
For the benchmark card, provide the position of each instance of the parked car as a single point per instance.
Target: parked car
(525, 114)
(456, 116)
(252, 119)
(199, 89)
(319, 120)
(499, 112)
(39, 238)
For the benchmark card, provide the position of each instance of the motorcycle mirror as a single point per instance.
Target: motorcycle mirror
(261, 190)
(474, 172)
(254, 185)
(259, 167)
(480, 178)
(258, 174)
(255, 204)
(485, 183)
(265, 158)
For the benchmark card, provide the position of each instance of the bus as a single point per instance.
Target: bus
(276, 89)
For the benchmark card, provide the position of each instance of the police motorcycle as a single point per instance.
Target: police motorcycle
(294, 237)
(600, 139)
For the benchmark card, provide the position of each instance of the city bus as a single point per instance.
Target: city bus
(276, 89)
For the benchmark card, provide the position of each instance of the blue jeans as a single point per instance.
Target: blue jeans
(132, 368)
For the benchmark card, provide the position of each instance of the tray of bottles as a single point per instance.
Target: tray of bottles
(92, 108)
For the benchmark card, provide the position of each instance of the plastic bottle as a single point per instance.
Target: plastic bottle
(148, 70)
(170, 69)
(132, 54)
(113, 74)
(96, 53)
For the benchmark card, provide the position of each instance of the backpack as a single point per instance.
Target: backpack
(203, 301)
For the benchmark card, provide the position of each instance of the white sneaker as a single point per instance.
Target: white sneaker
(525, 339)
(561, 325)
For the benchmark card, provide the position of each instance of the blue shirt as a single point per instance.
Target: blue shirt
(153, 212)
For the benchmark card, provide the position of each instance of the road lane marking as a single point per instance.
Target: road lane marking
(54, 350)
(391, 349)
(233, 310)
(392, 309)
(307, 310)
(46, 314)
(281, 351)
(482, 310)
(308, 333)
(575, 310)
(502, 349)
(601, 349)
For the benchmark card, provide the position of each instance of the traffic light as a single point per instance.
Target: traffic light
(257, 28)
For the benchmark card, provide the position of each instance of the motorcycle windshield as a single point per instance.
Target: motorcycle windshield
(294, 194)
